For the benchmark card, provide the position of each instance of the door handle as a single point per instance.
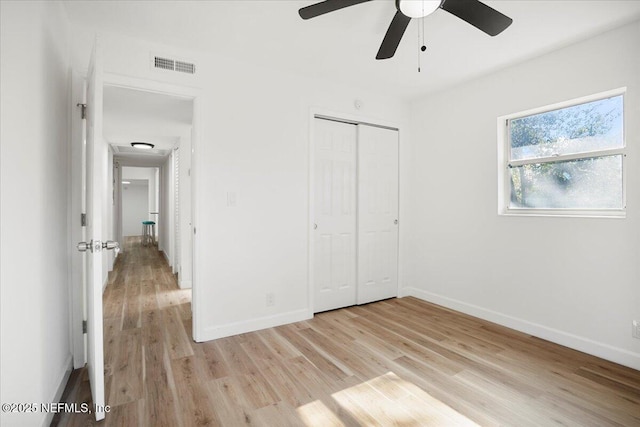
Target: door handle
(91, 246)
(84, 246)
(97, 246)
(315, 226)
(395, 222)
(110, 244)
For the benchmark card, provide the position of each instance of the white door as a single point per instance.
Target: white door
(95, 168)
(377, 213)
(334, 234)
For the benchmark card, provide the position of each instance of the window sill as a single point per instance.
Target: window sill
(568, 213)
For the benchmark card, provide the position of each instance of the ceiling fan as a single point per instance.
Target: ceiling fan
(474, 12)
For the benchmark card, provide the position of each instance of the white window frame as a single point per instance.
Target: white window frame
(504, 163)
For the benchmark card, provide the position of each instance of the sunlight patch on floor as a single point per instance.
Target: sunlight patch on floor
(317, 414)
(390, 400)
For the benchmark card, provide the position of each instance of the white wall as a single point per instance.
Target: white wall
(166, 242)
(135, 208)
(254, 141)
(186, 232)
(151, 175)
(570, 280)
(256, 145)
(134, 172)
(35, 244)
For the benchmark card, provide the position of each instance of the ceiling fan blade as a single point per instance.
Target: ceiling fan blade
(394, 35)
(479, 15)
(327, 6)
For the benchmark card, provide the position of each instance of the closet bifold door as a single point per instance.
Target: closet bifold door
(334, 233)
(377, 259)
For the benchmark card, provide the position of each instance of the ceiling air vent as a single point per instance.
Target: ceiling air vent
(173, 65)
(185, 67)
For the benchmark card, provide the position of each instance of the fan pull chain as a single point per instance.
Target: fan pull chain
(421, 42)
(419, 50)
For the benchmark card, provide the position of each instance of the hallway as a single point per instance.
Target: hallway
(147, 324)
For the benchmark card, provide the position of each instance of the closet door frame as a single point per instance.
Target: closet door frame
(355, 119)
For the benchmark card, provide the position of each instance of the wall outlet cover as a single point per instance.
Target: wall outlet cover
(271, 299)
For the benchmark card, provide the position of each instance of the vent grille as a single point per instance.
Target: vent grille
(185, 67)
(164, 63)
(174, 65)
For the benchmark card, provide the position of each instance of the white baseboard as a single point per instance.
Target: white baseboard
(251, 325)
(586, 345)
(166, 257)
(66, 369)
(185, 284)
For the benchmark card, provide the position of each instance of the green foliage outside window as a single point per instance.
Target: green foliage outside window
(591, 181)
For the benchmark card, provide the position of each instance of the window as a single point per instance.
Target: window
(567, 159)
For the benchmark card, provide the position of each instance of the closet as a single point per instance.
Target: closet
(355, 214)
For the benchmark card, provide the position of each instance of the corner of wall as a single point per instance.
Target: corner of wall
(62, 380)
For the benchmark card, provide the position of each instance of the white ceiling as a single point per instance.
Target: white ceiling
(132, 115)
(342, 45)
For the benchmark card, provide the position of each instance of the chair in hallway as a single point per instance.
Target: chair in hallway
(148, 233)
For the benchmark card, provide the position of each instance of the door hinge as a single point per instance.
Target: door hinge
(83, 110)
(83, 219)
(84, 326)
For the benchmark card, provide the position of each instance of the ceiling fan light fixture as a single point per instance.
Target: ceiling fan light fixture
(473, 12)
(418, 8)
(143, 145)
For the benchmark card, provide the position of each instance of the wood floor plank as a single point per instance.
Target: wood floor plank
(396, 362)
(256, 389)
(127, 369)
(127, 414)
(175, 336)
(343, 356)
(328, 368)
(410, 347)
(131, 316)
(231, 408)
(158, 397)
(113, 304)
(278, 414)
(148, 296)
(278, 345)
(193, 394)
(623, 389)
(424, 408)
(214, 361)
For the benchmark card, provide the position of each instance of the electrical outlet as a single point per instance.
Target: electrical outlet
(271, 299)
(636, 329)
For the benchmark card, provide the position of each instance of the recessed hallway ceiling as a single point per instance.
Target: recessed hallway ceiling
(133, 115)
(341, 46)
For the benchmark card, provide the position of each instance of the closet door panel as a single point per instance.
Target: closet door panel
(377, 214)
(334, 234)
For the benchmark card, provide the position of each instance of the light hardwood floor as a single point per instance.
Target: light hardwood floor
(397, 362)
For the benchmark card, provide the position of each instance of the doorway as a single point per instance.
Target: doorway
(147, 182)
(139, 200)
(354, 242)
